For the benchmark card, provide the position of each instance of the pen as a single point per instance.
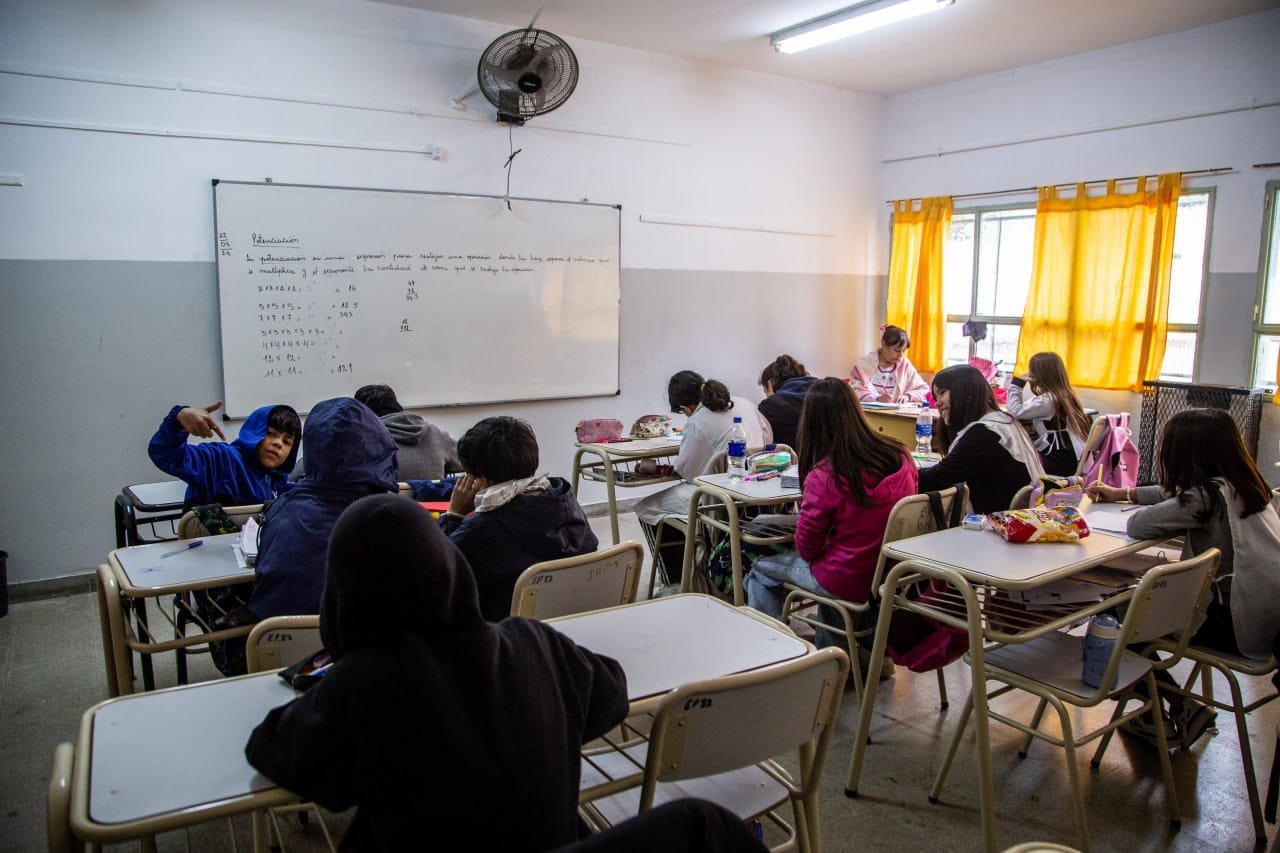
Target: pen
(767, 475)
(1131, 508)
(194, 544)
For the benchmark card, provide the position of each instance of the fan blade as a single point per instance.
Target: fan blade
(540, 57)
(506, 75)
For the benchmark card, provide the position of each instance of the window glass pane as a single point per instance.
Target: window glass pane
(1179, 357)
(1005, 243)
(957, 266)
(956, 345)
(1264, 371)
(1000, 346)
(1271, 303)
(1188, 259)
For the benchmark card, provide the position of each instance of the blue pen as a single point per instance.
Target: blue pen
(194, 544)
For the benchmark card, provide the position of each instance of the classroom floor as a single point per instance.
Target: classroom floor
(51, 670)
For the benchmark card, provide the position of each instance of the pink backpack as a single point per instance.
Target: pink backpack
(1115, 462)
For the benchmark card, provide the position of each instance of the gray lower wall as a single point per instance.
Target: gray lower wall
(93, 353)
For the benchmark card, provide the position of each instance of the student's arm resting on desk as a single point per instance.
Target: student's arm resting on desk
(305, 746)
(817, 511)
(860, 382)
(1164, 515)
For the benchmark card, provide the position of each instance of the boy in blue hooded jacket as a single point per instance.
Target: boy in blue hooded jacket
(252, 469)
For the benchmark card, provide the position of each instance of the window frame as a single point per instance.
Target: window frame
(973, 316)
(1211, 192)
(1270, 210)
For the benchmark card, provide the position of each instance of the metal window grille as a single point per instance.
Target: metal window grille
(1163, 400)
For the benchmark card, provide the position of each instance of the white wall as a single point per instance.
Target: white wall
(116, 163)
(1171, 103)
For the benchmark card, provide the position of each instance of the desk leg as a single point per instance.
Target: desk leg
(982, 727)
(735, 551)
(139, 606)
(613, 500)
(122, 538)
(690, 541)
(871, 685)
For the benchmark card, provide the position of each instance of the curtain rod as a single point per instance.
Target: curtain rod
(1220, 170)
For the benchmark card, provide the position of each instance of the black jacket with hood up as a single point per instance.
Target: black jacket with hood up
(435, 723)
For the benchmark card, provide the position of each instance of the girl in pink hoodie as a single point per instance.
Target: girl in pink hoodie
(851, 476)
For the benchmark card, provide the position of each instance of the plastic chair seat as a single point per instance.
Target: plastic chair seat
(747, 792)
(1054, 660)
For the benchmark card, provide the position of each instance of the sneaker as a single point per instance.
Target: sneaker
(1145, 728)
(1193, 721)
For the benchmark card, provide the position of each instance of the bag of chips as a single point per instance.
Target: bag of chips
(1057, 491)
(1040, 524)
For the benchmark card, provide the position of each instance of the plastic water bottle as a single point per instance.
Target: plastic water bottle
(737, 450)
(1099, 643)
(924, 432)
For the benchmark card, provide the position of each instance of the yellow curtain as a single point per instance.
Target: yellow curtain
(915, 277)
(1099, 294)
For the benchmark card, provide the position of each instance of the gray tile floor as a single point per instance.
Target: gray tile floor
(51, 670)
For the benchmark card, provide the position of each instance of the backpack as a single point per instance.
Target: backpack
(1115, 462)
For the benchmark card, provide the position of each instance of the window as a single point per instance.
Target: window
(1267, 311)
(994, 245)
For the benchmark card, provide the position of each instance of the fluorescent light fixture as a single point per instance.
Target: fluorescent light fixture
(851, 21)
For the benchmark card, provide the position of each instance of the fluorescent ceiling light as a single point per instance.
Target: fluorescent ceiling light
(851, 21)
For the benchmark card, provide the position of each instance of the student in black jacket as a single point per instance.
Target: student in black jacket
(446, 731)
(986, 448)
(505, 517)
(785, 382)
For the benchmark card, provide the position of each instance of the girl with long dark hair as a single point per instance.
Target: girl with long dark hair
(851, 476)
(1054, 411)
(1210, 492)
(986, 448)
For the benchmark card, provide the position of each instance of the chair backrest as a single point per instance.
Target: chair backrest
(190, 526)
(58, 801)
(1170, 599)
(1022, 497)
(913, 516)
(281, 641)
(1092, 442)
(722, 724)
(579, 584)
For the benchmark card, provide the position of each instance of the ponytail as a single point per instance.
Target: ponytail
(715, 396)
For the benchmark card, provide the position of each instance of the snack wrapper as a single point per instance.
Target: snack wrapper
(1042, 524)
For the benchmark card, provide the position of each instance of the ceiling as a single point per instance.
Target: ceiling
(968, 38)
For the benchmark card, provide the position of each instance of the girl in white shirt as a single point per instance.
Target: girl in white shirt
(1054, 411)
(711, 411)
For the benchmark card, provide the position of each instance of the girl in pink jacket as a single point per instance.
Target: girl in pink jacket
(886, 375)
(851, 476)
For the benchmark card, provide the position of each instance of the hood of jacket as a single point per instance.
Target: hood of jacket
(252, 431)
(406, 427)
(795, 387)
(348, 448)
(392, 573)
(549, 524)
(889, 489)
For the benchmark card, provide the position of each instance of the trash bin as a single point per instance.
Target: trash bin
(4, 582)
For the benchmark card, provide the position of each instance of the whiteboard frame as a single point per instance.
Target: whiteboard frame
(217, 272)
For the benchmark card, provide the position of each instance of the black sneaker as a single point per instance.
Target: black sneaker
(1193, 721)
(1145, 728)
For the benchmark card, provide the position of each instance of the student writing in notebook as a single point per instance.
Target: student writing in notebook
(785, 382)
(886, 375)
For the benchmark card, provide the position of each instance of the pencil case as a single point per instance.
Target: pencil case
(598, 429)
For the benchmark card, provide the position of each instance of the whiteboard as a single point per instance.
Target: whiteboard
(449, 299)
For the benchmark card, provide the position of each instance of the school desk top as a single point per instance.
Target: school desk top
(145, 571)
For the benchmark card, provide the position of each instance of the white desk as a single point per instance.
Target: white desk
(663, 643)
(978, 566)
(162, 760)
(133, 575)
(157, 761)
(160, 501)
(615, 467)
(728, 496)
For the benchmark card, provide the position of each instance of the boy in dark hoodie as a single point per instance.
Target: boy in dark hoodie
(445, 731)
(505, 517)
(785, 382)
(252, 469)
